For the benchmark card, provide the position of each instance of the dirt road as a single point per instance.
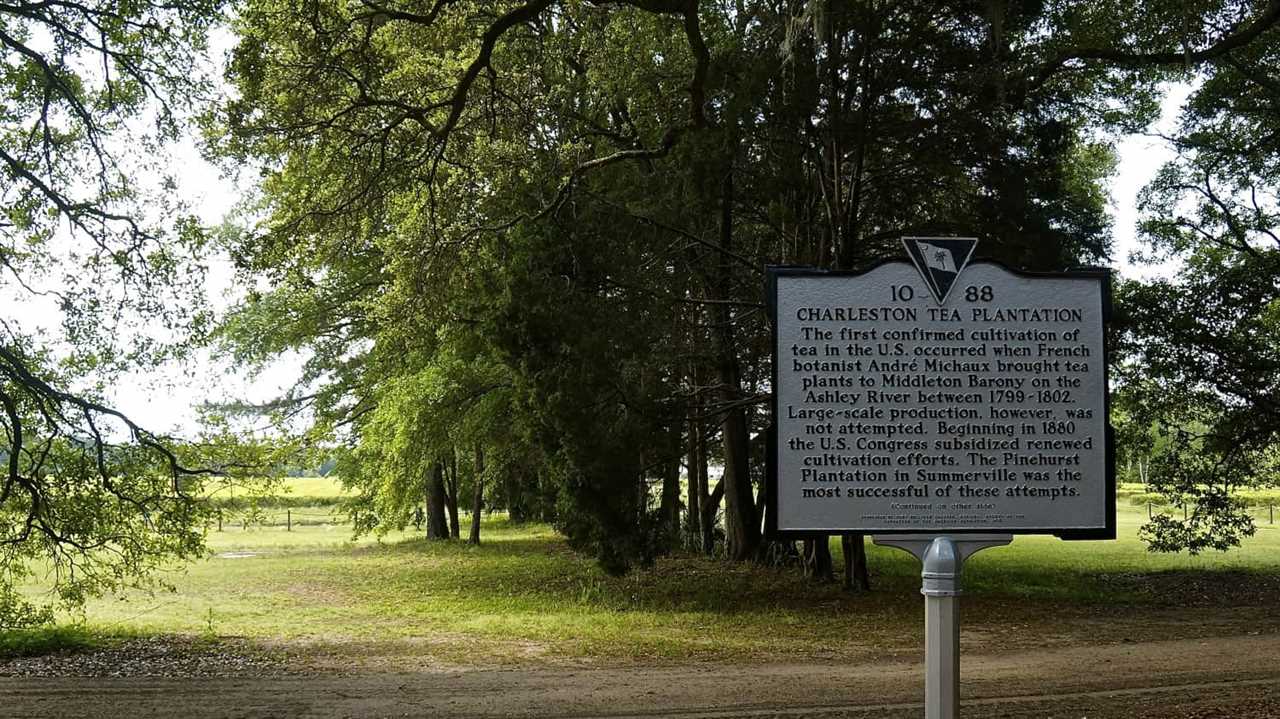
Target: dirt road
(1237, 677)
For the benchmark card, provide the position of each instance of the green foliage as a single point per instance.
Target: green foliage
(594, 395)
(99, 500)
(89, 95)
(1186, 473)
(1202, 348)
(16, 611)
(79, 222)
(576, 201)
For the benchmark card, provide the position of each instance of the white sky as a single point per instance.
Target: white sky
(1140, 156)
(166, 403)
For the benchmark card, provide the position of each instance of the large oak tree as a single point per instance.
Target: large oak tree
(89, 93)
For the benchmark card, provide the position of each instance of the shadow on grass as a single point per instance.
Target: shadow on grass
(1195, 588)
(523, 593)
(528, 568)
(40, 641)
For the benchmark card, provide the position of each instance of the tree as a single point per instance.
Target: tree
(1202, 348)
(594, 188)
(90, 93)
(477, 504)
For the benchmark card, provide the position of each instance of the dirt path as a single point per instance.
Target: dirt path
(1234, 677)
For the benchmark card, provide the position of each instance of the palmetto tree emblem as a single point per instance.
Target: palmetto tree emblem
(940, 261)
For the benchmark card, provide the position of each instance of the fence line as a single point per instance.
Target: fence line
(290, 518)
(1263, 514)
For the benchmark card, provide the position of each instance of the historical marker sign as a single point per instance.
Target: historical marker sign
(941, 395)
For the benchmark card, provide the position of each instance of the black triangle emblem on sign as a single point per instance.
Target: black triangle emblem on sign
(940, 260)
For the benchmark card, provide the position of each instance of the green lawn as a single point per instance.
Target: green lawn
(314, 487)
(297, 493)
(523, 595)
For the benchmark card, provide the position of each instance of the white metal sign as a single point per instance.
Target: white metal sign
(939, 395)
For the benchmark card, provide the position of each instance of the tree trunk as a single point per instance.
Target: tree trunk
(670, 507)
(856, 576)
(741, 525)
(693, 509)
(710, 502)
(762, 511)
(451, 495)
(477, 505)
(515, 503)
(817, 559)
(742, 529)
(437, 525)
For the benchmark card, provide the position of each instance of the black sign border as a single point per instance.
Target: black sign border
(773, 533)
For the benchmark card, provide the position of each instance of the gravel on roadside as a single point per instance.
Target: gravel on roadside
(160, 656)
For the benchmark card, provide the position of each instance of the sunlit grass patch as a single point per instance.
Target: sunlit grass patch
(524, 596)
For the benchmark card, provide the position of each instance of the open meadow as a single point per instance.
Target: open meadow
(524, 597)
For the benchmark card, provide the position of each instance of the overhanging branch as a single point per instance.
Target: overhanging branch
(1239, 37)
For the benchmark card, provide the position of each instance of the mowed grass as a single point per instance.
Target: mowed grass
(314, 487)
(524, 596)
(289, 492)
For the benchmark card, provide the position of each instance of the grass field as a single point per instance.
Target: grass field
(523, 595)
(1265, 500)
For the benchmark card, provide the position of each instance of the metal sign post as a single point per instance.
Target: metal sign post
(941, 559)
